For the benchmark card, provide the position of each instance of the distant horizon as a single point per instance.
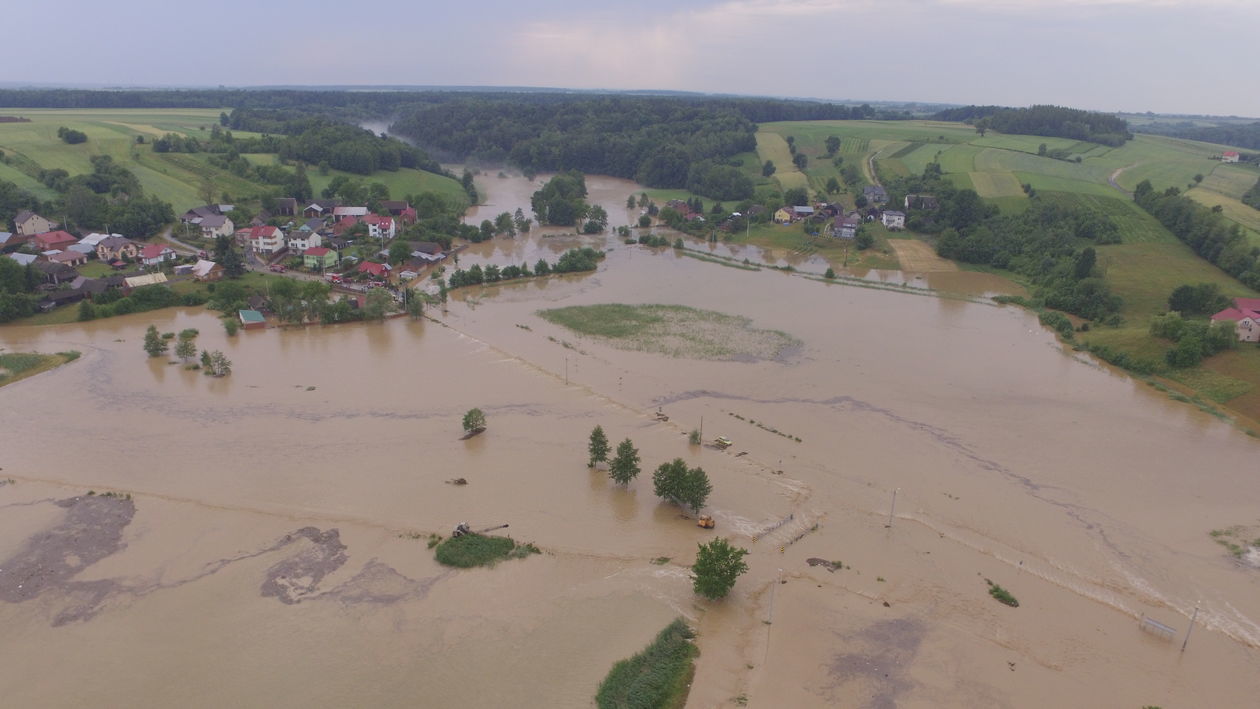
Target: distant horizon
(1170, 57)
(473, 88)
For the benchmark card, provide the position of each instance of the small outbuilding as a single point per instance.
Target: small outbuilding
(252, 320)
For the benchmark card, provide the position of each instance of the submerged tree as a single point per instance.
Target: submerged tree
(598, 447)
(718, 565)
(675, 482)
(625, 466)
(153, 342)
(474, 421)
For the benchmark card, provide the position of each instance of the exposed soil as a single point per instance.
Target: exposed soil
(298, 576)
(91, 530)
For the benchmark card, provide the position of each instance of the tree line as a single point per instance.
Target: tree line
(571, 261)
(668, 142)
(1049, 243)
(109, 194)
(1205, 230)
(1055, 121)
(1243, 135)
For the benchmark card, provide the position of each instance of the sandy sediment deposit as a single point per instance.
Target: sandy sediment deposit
(264, 543)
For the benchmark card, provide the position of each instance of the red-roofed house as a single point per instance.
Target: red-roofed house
(155, 254)
(319, 257)
(264, 239)
(50, 240)
(1246, 318)
(380, 227)
(1229, 156)
(374, 269)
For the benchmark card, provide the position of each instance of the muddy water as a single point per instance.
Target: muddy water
(272, 533)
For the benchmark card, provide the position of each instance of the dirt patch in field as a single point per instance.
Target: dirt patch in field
(891, 648)
(918, 257)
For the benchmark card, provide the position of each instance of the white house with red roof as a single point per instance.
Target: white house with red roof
(1246, 318)
(264, 239)
(156, 254)
(1229, 156)
(380, 227)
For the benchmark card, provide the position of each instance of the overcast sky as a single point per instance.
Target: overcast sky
(1173, 56)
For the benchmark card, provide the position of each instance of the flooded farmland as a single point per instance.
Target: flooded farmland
(264, 537)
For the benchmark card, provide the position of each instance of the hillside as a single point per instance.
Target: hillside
(178, 178)
(1143, 269)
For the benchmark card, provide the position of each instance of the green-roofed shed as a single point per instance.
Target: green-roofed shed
(252, 320)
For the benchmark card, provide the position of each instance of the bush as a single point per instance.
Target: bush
(1001, 594)
(1057, 322)
(469, 550)
(231, 324)
(658, 676)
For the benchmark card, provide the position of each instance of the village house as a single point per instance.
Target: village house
(401, 209)
(1229, 156)
(157, 254)
(380, 227)
(93, 240)
(264, 239)
(69, 258)
(894, 221)
(342, 212)
(319, 258)
(115, 248)
(302, 239)
(205, 270)
(88, 250)
(29, 223)
(427, 251)
(1246, 318)
(845, 226)
(9, 240)
(374, 269)
(215, 226)
(875, 194)
(50, 240)
(320, 208)
(55, 273)
(23, 259)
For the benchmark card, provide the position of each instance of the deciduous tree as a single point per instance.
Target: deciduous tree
(718, 565)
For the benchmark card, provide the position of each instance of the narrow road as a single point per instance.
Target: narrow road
(167, 235)
(1111, 179)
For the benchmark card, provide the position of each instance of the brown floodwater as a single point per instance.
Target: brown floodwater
(275, 533)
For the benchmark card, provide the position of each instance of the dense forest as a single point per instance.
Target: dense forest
(316, 140)
(1242, 135)
(1203, 229)
(1054, 121)
(109, 194)
(660, 142)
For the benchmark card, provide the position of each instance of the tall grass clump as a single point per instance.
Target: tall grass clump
(657, 677)
(471, 550)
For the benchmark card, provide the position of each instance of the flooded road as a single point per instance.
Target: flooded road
(275, 530)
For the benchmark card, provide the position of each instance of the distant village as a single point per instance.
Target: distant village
(314, 237)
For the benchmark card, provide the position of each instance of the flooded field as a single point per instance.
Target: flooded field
(269, 528)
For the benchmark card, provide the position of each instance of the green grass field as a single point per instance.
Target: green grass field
(174, 177)
(1143, 269)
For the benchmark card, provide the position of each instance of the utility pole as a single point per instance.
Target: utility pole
(892, 508)
(1191, 628)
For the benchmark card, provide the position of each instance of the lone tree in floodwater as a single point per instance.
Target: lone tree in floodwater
(474, 421)
(153, 342)
(598, 447)
(717, 566)
(625, 466)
